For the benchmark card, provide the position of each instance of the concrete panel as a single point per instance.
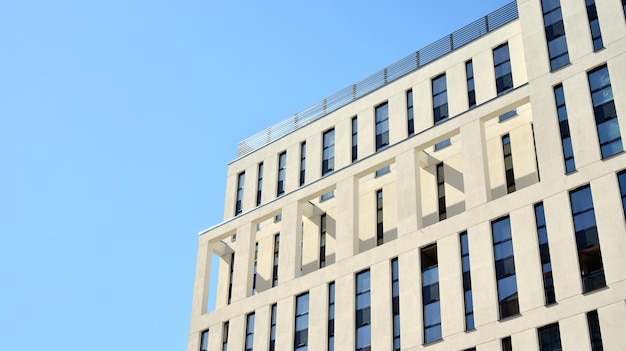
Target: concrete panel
(381, 311)
(575, 333)
(451, 286)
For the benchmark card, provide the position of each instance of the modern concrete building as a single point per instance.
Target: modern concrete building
(467, 197)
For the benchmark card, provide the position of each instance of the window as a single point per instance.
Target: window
(241, 179)
(508, 164)
(409, 112)
(621, 177)
(430, 294)
(323, 240)
(250, 332)
(379, 218)
(204, 340)
(225, 337)
(467, 283)
(440, 99)
(273, 328)
(254, 269)
(275, 270)
(604, 111)
(382, 126)
(328, 153)
(259, 185)
(471, 92)
(566, 138)
(624, 5)
(594, 25)
(555, 33)
(440, 145)
(505, 267)
(395, 303)
(509, 114)
(470, 349)
(331, 316)
(231, 276)
(506, 344)
(301, 337)
(355, 138)
(544, 253)
(441, 192)
(327, 196)
(282, 169)
(594, 331)
(502, 66)
(302, 163)
(363, 320)
(589, 256)
(382, 171)
(549, 338)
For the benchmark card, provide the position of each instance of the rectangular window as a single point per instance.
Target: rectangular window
(508, 164)
(544, 252)
(204, 340)
(441, 192)
(566, 138)
(327, 196)
(549, 338)
(624, 5)
(231, 276)
(382, 126)
(621, 177)
(409, 112)
(471, 92)
(508, 114)
(282, 172)
(301, 337)
(323, 240)
(502, 66)
(250, 332)
(241, 179)
(505, 267)
(604, 111)
(273, 328)
(395, 303)
(379, 218)
(331, 316)
(302, 163)
(328, 152)
(589, 256)
(594, 331)
(275, 270)
(259, 185)
(362, 315)
(225, 337)
(467, 283)
(430, 294)
(254, 269)
(440, 99)
(355, 139)
(555, 33)
(594, 25)
(506, 344)
(382, 171)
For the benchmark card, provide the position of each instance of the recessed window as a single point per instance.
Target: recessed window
(241, 179)
(380, 231)
(440, 99)
(204, 340)
(355, 138)
(549, 338)
(502, 66)
(363, 315)
(301, 337)
(441, 192)
(594, 331)
(382, 126)
(327, 196)
(275, 264)
(231, 276)
(282, 173)
(507, 345)
(566, 138)
(594, 25)
(471, 90)
(302, 163)
(382, 171)
(322, 258)
(505, 267)
(328, 152)
(555, 33)
(225, 336)
(440, 145)
(544, 253)
(503, 117)
(254, 269)
(467, 283)
(395, 303)
(430, 294)
(409, 112)
(273, 327)
(259, 185)
(604, 111)
(508, 164)
(250, 332)
(621, 177)
(331, 316)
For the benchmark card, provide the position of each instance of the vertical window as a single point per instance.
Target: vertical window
(502, 66)
(328, 152)
(430, 294)
(549, 338)
(254, 269)
(204, 340)
(225, 337)
(440, 98)
(273, 328)
(508, 164)
(282, 169)
(566, 139)
(555, 33)
(323, 240)
(506, 344)
(594, 331)
(379, 218)
(395, 303)
(621, 176)
(471, 92)
(594, 25)
(301, 337)
(275, 270)
(589, 256)
(241, 179)
(544, 252)
(382, 126)
(302, 163)
(467, 283)
(604, 111)
(441, 192)
(624, 5)
(259, 185)
(331, 316)
(250, 332)
(231, 276)
(409, 112)
(363, 320)
(505, 267)
(355, 139)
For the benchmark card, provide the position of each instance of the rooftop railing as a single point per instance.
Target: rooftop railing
(414, 61)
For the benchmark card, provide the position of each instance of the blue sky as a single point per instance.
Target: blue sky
(117, 121)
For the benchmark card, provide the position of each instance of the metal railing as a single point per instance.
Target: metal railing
(414, 61)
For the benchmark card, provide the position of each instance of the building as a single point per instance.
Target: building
(468, 197)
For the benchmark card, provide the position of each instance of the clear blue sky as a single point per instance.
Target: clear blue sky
(117, 121)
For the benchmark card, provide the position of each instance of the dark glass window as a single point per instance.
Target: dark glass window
(250, 332)
(241, 179)
(355, 138)
(254, 269)
(328, 152)
(624, 5)
(430, 294)
(594, 331)
(379, 218)
(282, 169)
(409, 112)
(555, 33)
(505, 267)
(467, 283)
(470, 349)
(440, 98)
(621, 176)
(225, 337)
(331, 316)
(302, 163)
(395, 303)
(259, 185)
(589, 256)
(566, 139)
(362, 316)
(550, 338)
(231, 276)
(508, 163)
(506, 344)
(502, 66)
(594, 25)
(301, 337)
(323, 240)
(604, 111)
(382, 126)
(273, 327)
(275, 270)
(204, 340)
(441, 192)
(471, 92)
(544, 252)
